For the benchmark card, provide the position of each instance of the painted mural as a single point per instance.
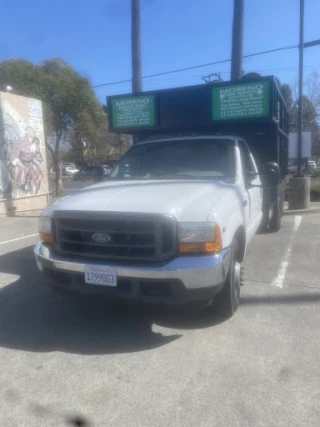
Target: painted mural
(22, 151)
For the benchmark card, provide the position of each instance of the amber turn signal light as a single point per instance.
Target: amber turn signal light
(47, 238)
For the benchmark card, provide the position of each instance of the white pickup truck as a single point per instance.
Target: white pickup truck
(171, 225)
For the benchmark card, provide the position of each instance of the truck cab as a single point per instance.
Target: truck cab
(222, 166)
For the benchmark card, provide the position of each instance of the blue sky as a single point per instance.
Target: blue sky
(94, 37)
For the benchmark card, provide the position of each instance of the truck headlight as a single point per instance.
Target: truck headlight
(201, 238)
(45, 229)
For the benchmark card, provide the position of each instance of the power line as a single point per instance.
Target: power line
(198, 66)
(313, 43)
(172, 81)
(225, 73)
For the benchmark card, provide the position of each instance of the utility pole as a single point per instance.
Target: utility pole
(136, 46)
(300, 103)
(237, 39)
(299, 196)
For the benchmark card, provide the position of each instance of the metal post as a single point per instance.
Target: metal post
(300, 104)
(136, 46)
(237, 40)
(299, 196)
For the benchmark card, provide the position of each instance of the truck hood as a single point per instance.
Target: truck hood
(185, 200)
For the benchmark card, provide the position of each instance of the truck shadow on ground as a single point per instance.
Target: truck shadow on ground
(34, 319)
(295, 299)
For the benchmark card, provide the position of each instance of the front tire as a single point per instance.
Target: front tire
(228, 299)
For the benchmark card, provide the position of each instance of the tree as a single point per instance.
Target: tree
(23, 76)
(73, 107)
(286, 93)
(70, 105)
(313, 89)
(100, 146)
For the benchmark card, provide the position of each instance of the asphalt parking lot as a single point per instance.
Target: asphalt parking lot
(71, 362)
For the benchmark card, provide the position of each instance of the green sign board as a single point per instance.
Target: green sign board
(240, 101)
(133, 112)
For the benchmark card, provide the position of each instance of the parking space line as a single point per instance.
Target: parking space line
(18, 238)
(278, 281)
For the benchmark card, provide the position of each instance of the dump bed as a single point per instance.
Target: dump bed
(254, 110)
(206, 108)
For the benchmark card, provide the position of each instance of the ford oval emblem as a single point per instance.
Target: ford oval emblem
(101, 238)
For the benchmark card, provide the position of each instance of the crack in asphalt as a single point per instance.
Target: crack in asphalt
(299, 285)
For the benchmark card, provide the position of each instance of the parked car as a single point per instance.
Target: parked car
(101, 172)
(312, 165)
(70, 170)
(64, 172)
(84, 174)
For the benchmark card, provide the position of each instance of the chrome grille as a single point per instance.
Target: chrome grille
(129, 237)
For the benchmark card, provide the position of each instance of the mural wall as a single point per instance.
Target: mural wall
(23, 169)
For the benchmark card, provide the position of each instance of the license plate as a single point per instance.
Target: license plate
(100, 275)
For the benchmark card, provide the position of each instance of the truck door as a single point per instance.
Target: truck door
(254, 194)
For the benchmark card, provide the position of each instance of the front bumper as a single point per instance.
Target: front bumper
(180, 280)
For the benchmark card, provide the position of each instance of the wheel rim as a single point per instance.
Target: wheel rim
(237, 281)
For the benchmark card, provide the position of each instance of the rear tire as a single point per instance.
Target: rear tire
(227, 301)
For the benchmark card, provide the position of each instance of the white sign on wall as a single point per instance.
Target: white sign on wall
(36, 123)
(293, 145)
(35, 108)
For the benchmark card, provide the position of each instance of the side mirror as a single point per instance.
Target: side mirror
(250, 177)
(270, 174)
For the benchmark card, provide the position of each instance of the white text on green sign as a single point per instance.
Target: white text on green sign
(133, 112)
(240, 101)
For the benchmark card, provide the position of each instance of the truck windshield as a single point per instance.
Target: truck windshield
(179, 159)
